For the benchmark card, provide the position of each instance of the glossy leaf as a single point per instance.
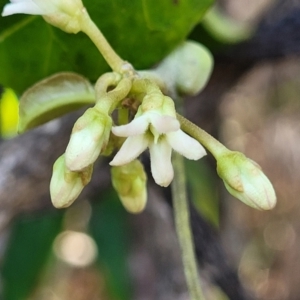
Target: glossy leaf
(53, 97)
(142, 32)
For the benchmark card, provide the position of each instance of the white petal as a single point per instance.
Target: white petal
(161, 166)
(164, 123)
(185, 145)
(131, 149)
(135, 127)
(22, 7)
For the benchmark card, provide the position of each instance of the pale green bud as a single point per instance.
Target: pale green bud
(129, 181)
(89, 137)
(67, 14)
(189, 67)
(65, 186)
(244, 179)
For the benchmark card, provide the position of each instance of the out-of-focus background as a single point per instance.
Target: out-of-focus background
(95, 250)
(260, 116)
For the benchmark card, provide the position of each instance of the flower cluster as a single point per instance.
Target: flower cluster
(155, 124)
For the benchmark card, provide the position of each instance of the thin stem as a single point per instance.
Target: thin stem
(108, 100)
(182, 223)
(94, 33)
(208, 141)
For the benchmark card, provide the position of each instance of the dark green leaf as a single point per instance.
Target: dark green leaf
(142, 32)
(202, 185)
(110, 230)
(27, 252)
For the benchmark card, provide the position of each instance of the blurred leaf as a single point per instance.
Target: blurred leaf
(142, 32)
(202, 185)
(9, 108)
(53, 97)
(110, 230)
(225, 29)
(218, 31)
(28, 249)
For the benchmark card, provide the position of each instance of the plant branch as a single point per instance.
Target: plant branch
(182, 223)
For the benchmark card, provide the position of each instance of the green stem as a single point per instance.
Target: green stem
(209, 142)
(93, 32)
(106, 101)
(182, 223)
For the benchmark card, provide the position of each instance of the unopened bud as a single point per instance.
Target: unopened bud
(129, 182)
(244, 179)
(67, 15)
(89, 137)
(65, 185)
(189, 66)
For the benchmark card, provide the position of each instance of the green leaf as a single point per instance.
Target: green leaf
(202, 185)
(142, 32)
(110, 230)
(27, 252)
(53, 97)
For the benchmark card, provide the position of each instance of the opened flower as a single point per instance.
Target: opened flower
(155, 127)
(60, 13)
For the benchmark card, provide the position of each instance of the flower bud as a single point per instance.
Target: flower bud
(129, 181)
(244, 179)
(65, 14)
(89, 136)
(189, 67)
(65, 186)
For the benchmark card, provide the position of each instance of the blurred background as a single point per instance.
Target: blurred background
(96, 250)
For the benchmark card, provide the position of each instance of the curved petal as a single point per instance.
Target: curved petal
(164, 123)
(135, 127)
(131, 149)
(185, 145)
(161, 166)
(22, 7)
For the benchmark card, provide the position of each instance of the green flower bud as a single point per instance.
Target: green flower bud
(244, 179)
(65, 186)
(89, 137)
(129, 181)
(189, 67)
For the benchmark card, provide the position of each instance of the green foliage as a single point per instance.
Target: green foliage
(27, 252)
(52, 97)
(110, 230)
(202, 185)
(142, 32)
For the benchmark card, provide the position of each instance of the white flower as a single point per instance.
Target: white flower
(158, 129)
(60, 13)
(244, 179)
(22, 6)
